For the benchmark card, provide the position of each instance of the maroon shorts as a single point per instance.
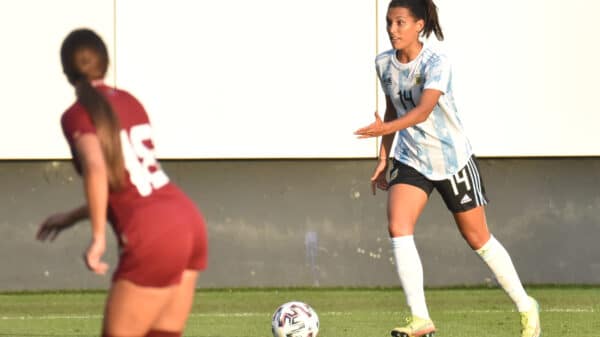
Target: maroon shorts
(160, 242)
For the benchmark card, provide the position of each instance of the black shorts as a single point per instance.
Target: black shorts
(461, 192)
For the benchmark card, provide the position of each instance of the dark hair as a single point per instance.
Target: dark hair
(97, 106)
(424, 10)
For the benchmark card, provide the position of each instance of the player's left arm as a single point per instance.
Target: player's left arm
(417, 115)
(95, 176)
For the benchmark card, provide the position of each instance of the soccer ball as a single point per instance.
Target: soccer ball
(295, 319)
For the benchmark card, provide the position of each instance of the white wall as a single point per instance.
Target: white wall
(33, 90)
(278, 78)
(251, 79)
(526, 72)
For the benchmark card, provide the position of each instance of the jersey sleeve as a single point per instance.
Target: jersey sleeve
(438, 74)
(380, 65)
(76, 122)
(381, 82)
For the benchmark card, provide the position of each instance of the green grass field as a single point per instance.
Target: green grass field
(566, 312)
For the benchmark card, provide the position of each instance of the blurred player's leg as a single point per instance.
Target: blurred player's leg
(131, 309)
(158, 333)
(176, 311)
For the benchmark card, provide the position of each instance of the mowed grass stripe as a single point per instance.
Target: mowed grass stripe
(566, 312)
(321, 314)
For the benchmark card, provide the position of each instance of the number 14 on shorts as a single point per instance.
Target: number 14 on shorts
(461, 177)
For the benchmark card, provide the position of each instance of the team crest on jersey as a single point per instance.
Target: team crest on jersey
(418, 79)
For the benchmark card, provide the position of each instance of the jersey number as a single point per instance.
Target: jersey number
(460, 177)
(406, 98)
(140, 161)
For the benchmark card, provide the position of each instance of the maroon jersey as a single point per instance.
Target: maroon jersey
(148, 208)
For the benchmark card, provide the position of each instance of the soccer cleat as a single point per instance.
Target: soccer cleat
(415, 327)
(530, 321)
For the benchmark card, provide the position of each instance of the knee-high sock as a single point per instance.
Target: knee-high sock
(498, 260)
(410, 271)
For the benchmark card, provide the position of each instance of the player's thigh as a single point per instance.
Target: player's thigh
(473, 227)
(405, 205)
(131, 309)
(177, 309)
(407, 196)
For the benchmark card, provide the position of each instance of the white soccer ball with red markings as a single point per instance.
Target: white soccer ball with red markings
(295, 319)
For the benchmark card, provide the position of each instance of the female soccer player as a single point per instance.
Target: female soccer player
(161, 233)
(431, 151)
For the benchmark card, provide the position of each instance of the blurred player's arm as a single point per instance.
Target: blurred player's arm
(95, 179)
(56, 223)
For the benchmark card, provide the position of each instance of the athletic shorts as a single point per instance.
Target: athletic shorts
(161, 243)
(461, 192)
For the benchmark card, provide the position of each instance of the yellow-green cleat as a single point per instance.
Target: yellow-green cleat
(415, 327)
(530, 321)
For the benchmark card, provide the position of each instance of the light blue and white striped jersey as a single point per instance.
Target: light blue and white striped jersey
(437, 147)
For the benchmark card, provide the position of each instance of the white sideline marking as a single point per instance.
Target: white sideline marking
(559, 310)
(258, 314)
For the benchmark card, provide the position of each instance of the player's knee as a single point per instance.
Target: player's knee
(476, 239)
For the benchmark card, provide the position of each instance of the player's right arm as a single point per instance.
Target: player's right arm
(56, 223)
(378, 180)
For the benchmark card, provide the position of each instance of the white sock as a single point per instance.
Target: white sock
(410, 270)
(498, 260)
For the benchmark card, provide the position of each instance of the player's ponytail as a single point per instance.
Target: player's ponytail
(107, 129)
(425, 10)
(432, 22)
(97, 106)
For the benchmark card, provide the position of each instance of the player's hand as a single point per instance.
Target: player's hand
(93, 256)
(378, 180)
(53, 225)
(375, 129)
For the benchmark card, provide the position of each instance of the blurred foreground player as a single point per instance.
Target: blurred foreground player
(161, 233)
